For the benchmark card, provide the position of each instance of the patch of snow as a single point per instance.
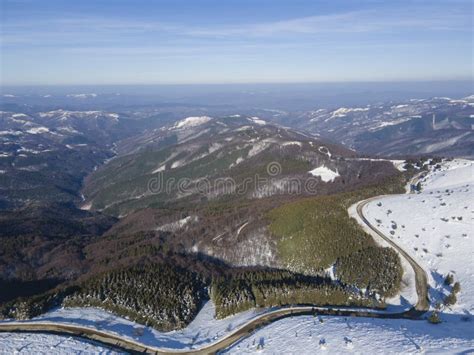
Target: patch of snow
(258, 121)
(398, 164)
(10, 132)
(343, 111)
(284, 144)
(237, 162)
(160, 168)
(214, 147)
(26, 150)
(259, 147)
(177, 164)
(323, 150)
(38, 130)
(330, 272)
(16, 115)
(177, 225)
(393, 122)
(87, 206)
(192, 122)
(65, 115)
(243, 128)
(67, 129)
(325, 173)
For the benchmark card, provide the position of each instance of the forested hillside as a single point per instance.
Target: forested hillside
(317, 233)
(163, 296)
(243, 290)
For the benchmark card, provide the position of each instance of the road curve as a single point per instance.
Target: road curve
(132, 346)
(421, 280)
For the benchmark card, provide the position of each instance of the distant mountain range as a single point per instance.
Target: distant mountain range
(437, 126)
(380, 126)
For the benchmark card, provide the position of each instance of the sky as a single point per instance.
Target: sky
(63, 42)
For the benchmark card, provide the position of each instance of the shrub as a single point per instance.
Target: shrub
(456, 287)
(434, 318)
(450, 299)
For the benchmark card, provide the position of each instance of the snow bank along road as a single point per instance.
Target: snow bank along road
(129, 345)
(125, 344)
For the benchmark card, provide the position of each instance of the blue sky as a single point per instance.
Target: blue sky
(228, 41)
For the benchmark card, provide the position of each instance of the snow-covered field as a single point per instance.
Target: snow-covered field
(15, 343)
(436, 227)
(337, 335)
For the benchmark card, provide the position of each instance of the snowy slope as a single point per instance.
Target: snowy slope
(338, 335)
(192, 122)
(436, 227)
(14, 343)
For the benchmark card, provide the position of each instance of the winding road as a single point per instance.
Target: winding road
(421, 279)
(125, 344)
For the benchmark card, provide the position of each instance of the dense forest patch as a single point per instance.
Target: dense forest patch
(162, 296)
(159, 295)
(373, 268)
(313, 233)
(244, 290)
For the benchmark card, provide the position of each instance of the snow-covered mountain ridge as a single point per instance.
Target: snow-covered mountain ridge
(440, 125)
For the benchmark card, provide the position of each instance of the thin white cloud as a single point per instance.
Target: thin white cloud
(349, 22)
(99, 30)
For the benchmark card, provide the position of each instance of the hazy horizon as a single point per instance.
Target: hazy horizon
(294, 96)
